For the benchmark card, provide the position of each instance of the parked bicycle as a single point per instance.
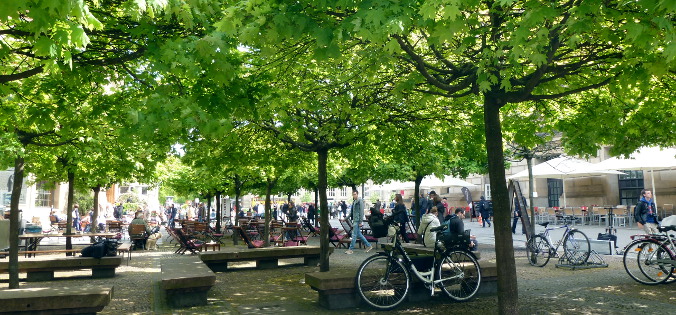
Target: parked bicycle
(383, 280)
(651, 258)
(576, 248)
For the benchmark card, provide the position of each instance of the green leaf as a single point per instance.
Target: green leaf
(45, 47)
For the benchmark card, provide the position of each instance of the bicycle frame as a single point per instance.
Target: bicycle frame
(427, 277)
(546, 235)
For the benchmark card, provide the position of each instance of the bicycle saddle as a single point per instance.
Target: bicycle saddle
(666, 228)
(544, 224)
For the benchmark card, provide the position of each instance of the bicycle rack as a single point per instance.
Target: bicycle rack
(594, 261)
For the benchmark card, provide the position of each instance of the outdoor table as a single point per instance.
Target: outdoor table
(34, 239)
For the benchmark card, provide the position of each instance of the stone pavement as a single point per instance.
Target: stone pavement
(245, 290)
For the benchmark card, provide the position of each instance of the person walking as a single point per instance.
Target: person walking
(517, 215)
(484, 209)
(357, 222)
(645, 212)
(76, 217)
(311, 214)
(343, 208)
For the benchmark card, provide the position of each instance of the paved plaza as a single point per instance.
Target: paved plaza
(245, 290)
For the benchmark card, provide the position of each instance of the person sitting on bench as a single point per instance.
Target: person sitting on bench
(153, 233)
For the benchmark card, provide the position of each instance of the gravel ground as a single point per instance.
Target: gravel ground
(245, 290)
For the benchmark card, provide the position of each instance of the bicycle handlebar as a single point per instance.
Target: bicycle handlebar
(666, 228)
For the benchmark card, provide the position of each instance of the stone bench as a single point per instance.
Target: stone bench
(61, 300)
(337, 288)
(186, 282)
(266, 258)
(43, 269)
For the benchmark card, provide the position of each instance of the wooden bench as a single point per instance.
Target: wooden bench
(337, 288)
(186, 282)
(27, 253)
(43, 269)
(61, 300)
(123, 248)
(266, 258)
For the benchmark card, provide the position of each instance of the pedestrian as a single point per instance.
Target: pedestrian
(517, 214)
(422, 205)
(645, 212)
(400, 216)
(311, 214)
(172, 216)
(484, 209)
(437, 202)
(343, 208)
(76, 217)
(357, 215)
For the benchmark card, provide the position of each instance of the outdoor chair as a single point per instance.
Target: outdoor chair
(138, 235)
(337, 238)
(249, 242)
(187, 244)
(312, 230)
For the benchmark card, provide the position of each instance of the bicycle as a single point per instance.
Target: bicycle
(383, 280)
(576, 246)
(651, 258)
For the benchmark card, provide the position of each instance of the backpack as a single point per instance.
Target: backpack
(454, 240)
(378, 224)
(100, 249)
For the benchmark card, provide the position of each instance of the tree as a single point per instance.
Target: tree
(501, 52)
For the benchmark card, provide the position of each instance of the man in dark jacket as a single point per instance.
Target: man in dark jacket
(645, 212)
(485, 211)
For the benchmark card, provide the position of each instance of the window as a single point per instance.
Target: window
(487, 191)
(343, 192)
(332, 192)
(124, 189)
(630, 185)
(554, 191)
(43, 196)
(144, 190)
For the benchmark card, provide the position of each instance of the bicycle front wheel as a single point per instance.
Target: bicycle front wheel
(577, 248)
(459, 275)
(383, 282)
(641, 261)
(538, 251)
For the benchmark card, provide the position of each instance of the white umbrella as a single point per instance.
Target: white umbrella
(645, 159)
(428, 182)
(563, 167)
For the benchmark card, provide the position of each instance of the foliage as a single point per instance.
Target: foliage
(84, 199)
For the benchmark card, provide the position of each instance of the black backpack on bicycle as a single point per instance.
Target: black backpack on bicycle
(454, 240)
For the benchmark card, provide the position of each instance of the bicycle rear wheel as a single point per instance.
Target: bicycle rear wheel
(383, 282)
(577, 248)
(538, 251)
(460, 275)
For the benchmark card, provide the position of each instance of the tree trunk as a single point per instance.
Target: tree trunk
(324, 226)
(218, 212)
(208, 214)
(531, 198)
(268, 212)
(508, 294)
(416, 191)
(14, 223)
(238, 191)
(71, 198)
(95, 222)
